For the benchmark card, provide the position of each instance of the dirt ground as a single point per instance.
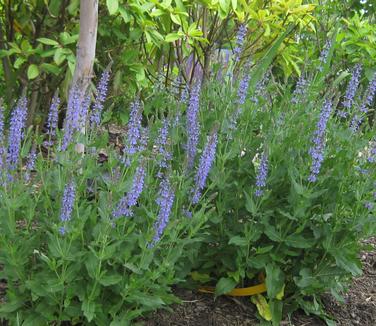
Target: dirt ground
(201, 309)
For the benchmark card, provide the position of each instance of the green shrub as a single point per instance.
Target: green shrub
(99, 237)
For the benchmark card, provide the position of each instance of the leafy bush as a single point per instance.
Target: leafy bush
(293, 191)
(73, 247)
(246, 178)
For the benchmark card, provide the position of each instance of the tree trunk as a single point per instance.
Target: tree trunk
(86, 49)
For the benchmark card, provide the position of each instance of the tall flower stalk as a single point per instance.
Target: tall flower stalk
(133, 133)
(165, 202)
(67, 204)
(127, 203)
(240, 37)
(241, 98)
(2, 148)
(300, 90)
(75, 119)
(164, 154)
(351, 91)
(324, 54)
(16, 133)
(30, 165)
(52, 121)
(262, 174)
(206, 162)
(102, 89)
(318, 146)
(193, 125)
(366, 103)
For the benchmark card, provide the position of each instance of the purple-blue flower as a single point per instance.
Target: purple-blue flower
(369, 205)
(102, 88)
(372, 153)
(134, 131)
(262, 174)
(351, 91)
(243, 86)
(76, 115)
(205, 164)
(300, 90)
(165, 202)
(16, 132)
(241, 97)
(2, 148)
(324, 54)
(260, 89)
(318, 147)
(84, 109)
(161, 144)
(193, 126)
(143, 143)
(186, 213)
(67, 204)
(369, 95)
(126, 204)
(184, 95)
(30, 164)
(363, 109)
(240, 37)
(52, 121)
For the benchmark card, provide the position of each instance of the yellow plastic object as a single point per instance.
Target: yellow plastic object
(238, 292)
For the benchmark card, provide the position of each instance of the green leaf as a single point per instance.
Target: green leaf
(59, 56)
(250, 205)
(19, 62)
(274, 280)
(47, 41)
(149, 301)
(299, 241)
(262, 305)
(91, 263)
(88, 308)
(67, 39)
(276, 311)
(238, 241)
(260, 70)
(347, 260)
(272, 233)
(224, 285)
(32, 72)
(125, 14)
(225, 5)
(50, 68)
(173, 37)
(110, 279)
(113, 6)
(200, 277)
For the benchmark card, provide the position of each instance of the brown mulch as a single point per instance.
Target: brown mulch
(202, 310)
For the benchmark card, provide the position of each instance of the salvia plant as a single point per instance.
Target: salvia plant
(286, 199)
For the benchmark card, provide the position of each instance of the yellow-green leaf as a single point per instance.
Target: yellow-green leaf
(200, 277)
(113, 6)
(280, 294)
(262, 306)
(32, 72)
(173, 37)
(47, 41)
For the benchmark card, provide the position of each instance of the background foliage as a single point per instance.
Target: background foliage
(154, 41)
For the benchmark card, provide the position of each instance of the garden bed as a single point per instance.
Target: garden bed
(202, 310)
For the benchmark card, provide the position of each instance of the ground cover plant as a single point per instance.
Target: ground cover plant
(238, 178)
